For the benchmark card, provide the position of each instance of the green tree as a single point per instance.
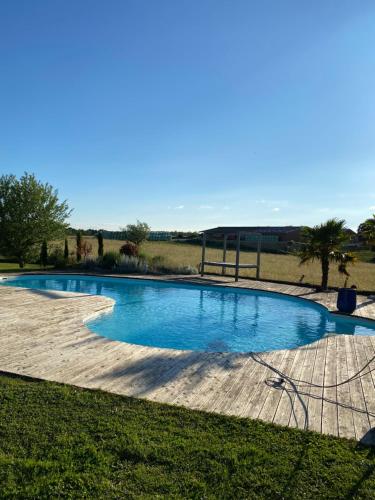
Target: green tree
(30, 212)
(100, 244)
(366, 231)
(44, 254)
(324, 243)
(79, 246)
(66, 249)
(137, 233)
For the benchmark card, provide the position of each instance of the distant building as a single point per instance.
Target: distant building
(273, 237)
(269, 233)
(159, 236)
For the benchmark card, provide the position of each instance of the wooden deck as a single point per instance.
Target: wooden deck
(42, 335)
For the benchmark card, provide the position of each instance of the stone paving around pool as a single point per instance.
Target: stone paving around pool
(42, 335)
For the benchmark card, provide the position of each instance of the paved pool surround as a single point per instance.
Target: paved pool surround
(43, 335)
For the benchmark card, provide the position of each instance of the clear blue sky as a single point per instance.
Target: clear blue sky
(191, 114)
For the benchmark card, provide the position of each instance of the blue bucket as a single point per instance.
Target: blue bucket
(347, 300)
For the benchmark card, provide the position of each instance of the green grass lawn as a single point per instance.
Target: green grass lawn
(13, 267)
(60, 441)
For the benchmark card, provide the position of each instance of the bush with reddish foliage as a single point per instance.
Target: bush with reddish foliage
(130, 249)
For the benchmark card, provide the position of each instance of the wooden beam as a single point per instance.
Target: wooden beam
(238, 254)
(224, 253)
(204, 238)
(258, 255)
(229, 264)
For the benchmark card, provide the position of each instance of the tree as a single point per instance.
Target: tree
(366, 231)
(44, 254)
(79, 245)
(137, 233)
(100, 244)
(324, 243)
(30, 212)
(86, 249)
(66, 249)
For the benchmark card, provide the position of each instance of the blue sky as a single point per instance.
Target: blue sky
(192, 114)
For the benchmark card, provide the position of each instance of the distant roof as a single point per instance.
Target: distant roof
(251, 229)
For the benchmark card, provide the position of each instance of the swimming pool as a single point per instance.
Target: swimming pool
(201, 318)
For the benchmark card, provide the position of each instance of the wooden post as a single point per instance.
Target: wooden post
(203, 252)
(238, 254)
(258, 256)
(224, 254)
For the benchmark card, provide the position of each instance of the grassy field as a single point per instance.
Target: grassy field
(273, 266)
(62, 442)
(12, 267)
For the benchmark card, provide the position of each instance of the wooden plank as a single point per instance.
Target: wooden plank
(362, 359)
(300, 415)
(370, 353)
(274, 393)
(239, 390)
(316, 392)
(297, 401)
(286, 405)
(177, 377)
(359, 410)
(206, 374)
(261, 389)
(329, 408)
(344, 411)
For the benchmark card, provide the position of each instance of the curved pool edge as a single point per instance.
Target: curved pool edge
(315, 298)
(66, 351)
(211, 281)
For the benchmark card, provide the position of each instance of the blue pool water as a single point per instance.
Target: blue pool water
(202, 318)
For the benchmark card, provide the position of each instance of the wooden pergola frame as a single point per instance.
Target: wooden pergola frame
(225, 232)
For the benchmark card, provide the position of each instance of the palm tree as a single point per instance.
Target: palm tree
(366, 230)
(324, 243)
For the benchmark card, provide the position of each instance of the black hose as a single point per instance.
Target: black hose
(284, 377)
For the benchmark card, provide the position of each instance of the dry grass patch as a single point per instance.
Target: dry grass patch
(273, 266)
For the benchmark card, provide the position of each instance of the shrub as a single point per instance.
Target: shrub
(171, 269)
(86, 249)
(186, 270)
(159, 264)
(109, 260)
(56, 258)
(91, 264)
(130, 264)
(130, 249)
(144, 256)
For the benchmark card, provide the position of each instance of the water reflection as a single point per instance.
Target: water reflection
(339, 325)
